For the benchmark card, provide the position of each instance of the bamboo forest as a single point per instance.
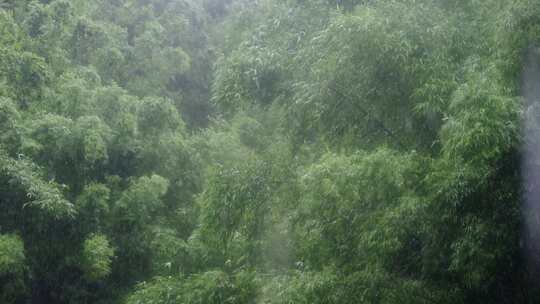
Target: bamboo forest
(269, 151)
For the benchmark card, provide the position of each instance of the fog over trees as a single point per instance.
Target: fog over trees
(269, 151)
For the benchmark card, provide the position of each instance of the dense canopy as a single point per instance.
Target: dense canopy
(269, 152)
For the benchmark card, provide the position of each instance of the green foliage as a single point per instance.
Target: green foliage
(233, 210)
(22, 175)
(158, 115)
(209, 287)
(162, 290)
(93, 207)
(12, 260)
(141, 200)
(236, 151)
(25, 72)
(10, 124)
(171, 254)
(12, 269)
(357, 207)
(482, 122)
(97, 255)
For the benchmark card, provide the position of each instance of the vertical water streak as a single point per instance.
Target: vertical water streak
(531, 160)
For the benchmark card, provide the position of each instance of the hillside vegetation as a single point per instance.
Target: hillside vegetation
(269, 151)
